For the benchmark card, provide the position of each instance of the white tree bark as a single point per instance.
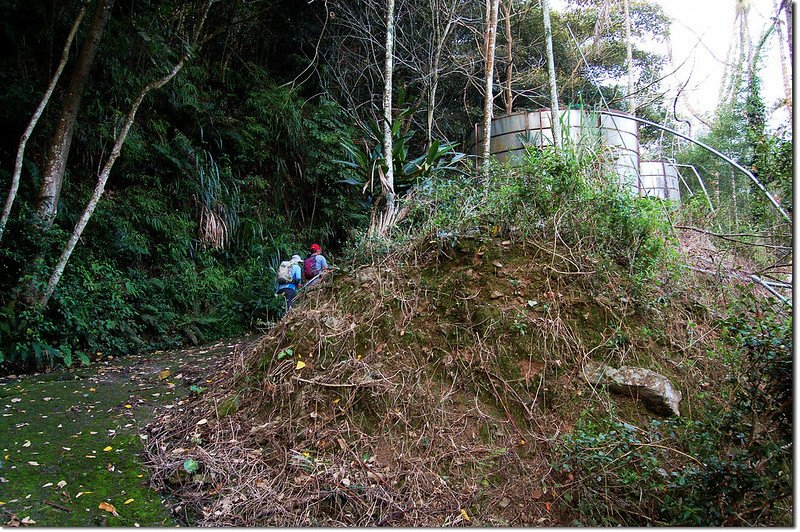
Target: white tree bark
(508, 97)
(12, 194)
(101, 183)
(788, 9)
(555, 114)
(102, 179)
(629, 57)
(388, 181)
(785, 73)
(441, 36)
(99, 188)
(492, 7)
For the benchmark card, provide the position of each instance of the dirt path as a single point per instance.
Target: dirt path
(70, 439)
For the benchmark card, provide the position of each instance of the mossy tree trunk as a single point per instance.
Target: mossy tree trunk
(12, 194)
(386, 220)
(53, 175)
(492, 7)
(555, 115)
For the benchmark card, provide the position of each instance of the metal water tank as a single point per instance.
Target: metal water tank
(510, 133)
(660, 179)
(504, 144)
(620, 133)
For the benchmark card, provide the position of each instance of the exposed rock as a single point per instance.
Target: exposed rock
(367, 275)
(654, 389)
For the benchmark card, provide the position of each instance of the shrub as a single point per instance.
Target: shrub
(734, 468)
(563, 197)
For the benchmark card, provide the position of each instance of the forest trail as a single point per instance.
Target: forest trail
(70, 438)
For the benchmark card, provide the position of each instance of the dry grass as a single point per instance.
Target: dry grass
(415, 396)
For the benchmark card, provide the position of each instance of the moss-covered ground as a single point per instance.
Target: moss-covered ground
(70, 439)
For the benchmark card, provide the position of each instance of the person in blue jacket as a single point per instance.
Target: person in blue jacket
(315, 265)
(289, 289)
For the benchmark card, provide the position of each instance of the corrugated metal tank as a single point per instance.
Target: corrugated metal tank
(615, 130)
(620, 134)
(511, 132)
(660, 180)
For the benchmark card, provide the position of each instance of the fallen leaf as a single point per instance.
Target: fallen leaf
(190, 465)
(62, 484)
(128, 406)
(16, 400)
(47, 399)
(164, 374)
(92, 389)
(202, 421)
(28, 521)
(33, 463)
(547, 506)
(300, 364)
(465, 515)
(108, 448)
(67, 448)
(536, 495)
(108, 508)
(27, 443)
(47, 485)
(128, 501)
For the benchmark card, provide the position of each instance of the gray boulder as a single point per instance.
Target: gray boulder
(653, 389)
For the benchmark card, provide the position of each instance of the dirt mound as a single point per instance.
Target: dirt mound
(427, 390)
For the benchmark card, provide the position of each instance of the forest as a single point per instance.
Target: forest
(160, 160)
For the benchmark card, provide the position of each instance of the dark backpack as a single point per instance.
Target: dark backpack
(309, 265)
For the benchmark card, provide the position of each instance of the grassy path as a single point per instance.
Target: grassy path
(70, 439)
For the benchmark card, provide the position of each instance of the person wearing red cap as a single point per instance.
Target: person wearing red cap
(314, 265)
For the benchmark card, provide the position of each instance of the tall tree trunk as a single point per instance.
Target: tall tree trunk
(12, 194)
(431, 107)
(629, 56)
(441, 39)
(508, 97)
(785, 72)
(555, 114)
(193, 39)
(492, 7)
(101, 184)
(739, 55)
(53, 175)
(388, 180)
(787, 11)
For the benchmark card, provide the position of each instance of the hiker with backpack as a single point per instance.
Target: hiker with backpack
(315, 266)
(289, 278)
